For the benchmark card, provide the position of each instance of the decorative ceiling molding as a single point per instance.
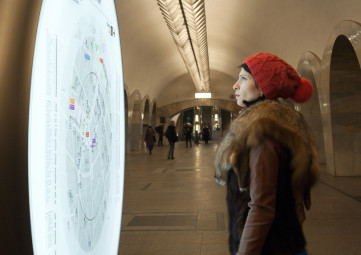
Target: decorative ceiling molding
(186, 21)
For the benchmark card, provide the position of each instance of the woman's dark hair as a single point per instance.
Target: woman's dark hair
(246, 68)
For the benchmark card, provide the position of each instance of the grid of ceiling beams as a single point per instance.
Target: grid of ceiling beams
(186, 21)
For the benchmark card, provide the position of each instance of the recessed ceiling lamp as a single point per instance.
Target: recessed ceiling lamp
(202, 95)
(186, 21)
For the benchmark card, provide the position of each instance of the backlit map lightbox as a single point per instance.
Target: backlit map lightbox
(76, 129)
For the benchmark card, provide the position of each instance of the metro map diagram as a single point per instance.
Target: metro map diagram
(76, 130)
(86, 113)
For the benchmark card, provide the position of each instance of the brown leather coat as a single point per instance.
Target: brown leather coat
(270, 148)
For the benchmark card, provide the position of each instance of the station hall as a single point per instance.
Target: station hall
(92, 91)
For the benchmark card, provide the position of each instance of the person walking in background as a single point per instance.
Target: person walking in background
(149, 139)
(172, 137)
(268, 159)
(187, 131)
(160, 130)
(206, 134)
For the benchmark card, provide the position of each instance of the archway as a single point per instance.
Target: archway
(136, 121)
(145, 120)
(174, 108)
(345, 104)
(346, 29)
(154, 115)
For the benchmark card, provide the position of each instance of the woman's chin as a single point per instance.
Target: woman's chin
(240, 103)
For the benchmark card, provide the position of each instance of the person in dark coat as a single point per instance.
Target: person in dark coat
(160, 130)
(206, 134)
(268, 160)
(172, 137)
(149, 139)
(187, 131)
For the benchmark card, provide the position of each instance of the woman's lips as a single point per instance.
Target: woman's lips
(237, 95)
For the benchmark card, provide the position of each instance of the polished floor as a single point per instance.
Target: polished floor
(174, 207)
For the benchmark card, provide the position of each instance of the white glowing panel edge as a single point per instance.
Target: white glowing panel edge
(76, 129)
(202, 95)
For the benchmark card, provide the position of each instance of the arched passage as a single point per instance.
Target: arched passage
(145, 120)
(154, 115)
(136, 121)
(174, 108)
(145, 117)
(338, 162)
(217, 119)
(345, 103)
(309, 68)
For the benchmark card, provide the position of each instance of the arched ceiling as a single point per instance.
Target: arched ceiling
(235, 29)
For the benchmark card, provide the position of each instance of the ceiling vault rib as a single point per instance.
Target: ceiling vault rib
(189, 36)
(186, 21)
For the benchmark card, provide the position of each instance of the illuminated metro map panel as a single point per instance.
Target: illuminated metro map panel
(76, 129)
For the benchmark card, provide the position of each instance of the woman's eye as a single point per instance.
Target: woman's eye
(242, 78)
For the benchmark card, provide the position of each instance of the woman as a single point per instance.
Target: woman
(149, 139)
(187, 131)
(268, 160)
(206, 134)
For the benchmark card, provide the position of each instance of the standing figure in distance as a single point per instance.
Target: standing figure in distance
(268, 160)
(171, 134)
(206, 133)
(160, 131)
(187, 131)
(149, 139)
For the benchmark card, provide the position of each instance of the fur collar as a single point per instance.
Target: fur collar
(279, 122)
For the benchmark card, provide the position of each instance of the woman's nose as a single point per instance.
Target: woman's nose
(236, 86)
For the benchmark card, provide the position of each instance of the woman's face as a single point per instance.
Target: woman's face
(245, 88)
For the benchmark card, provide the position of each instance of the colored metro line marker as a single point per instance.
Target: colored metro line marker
(72, 107)
(101, 60)
(72, 101)
(87, 56)
(94, 140)
(97, 46)
(87, 134)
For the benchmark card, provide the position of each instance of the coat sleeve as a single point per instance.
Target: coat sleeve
(263, 164)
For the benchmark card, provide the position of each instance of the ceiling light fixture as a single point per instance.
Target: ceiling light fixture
(202, 95)
(186, 21)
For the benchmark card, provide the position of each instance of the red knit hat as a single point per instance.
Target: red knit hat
(277, 79)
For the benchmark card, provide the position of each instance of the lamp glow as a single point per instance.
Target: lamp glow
(202, 95)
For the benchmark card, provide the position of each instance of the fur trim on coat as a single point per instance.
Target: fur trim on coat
(279, 122)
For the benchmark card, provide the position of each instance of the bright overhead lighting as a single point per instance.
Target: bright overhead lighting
(202, 95)
(186, 21)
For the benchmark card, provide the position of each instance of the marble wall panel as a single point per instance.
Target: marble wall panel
(348, 164)
(343, 143)
(357, 144)
(345, 164)
(309, 68)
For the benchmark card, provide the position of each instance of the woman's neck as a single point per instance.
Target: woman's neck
(259, 99)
